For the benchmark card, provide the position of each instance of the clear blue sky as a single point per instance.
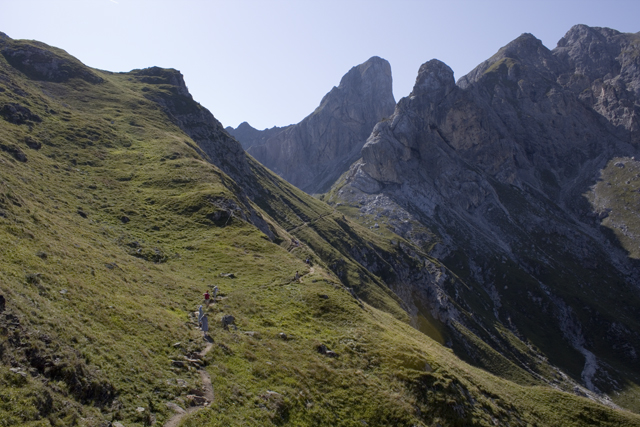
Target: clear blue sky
(270, 62)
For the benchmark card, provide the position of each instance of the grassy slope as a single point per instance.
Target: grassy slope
(615, 196)
(338, 237)
(95, 319)
(330, 235)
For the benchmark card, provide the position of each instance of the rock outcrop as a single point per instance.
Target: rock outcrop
(490, 176)
(41, 62)
(315, 152)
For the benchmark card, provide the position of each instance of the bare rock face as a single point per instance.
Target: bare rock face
(491, 175)
(248, 136)
(315, 152)
(509, 120)
(604, 70)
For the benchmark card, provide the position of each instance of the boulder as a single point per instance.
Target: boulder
(175, 408)
(196, 400)
(32, 143)
(227, 320)
(18, 114)
(16, 152)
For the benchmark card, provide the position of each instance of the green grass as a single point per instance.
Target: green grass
(616, 194)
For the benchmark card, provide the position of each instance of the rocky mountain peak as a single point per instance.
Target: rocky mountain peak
(249, 136)
(603, 68)
(369, 78)
(583, 34)
(369, 82)
(525, 46)
(525, 51)
(315, 152)
(245, 126)
(591, 51)
(435, 80)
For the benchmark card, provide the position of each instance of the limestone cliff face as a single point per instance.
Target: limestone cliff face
(315, 152)
(604, 70)
(496, 168)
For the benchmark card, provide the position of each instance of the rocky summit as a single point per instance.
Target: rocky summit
(520, 178)
(315, 152)
(249, 136)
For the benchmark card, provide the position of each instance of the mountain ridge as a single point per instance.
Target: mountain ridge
(248, 136)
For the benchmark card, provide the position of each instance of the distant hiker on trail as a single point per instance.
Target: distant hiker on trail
(200, 314)
(296, 278)
(207, 297)
(205, 325)
(308, 261)
(215, 293)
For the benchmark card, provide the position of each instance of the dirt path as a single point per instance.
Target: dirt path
(208, 391)
(304, 224)
(175, 420)
(204, 375)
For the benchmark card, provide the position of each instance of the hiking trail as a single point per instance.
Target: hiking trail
(175, 420)
(293, 245)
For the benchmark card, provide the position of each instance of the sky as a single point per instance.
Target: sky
(270, 62)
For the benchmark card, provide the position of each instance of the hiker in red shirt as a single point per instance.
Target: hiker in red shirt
(206, 298)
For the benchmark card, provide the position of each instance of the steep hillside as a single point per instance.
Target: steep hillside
(494, 176)
(122, 200)
(313, 153)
